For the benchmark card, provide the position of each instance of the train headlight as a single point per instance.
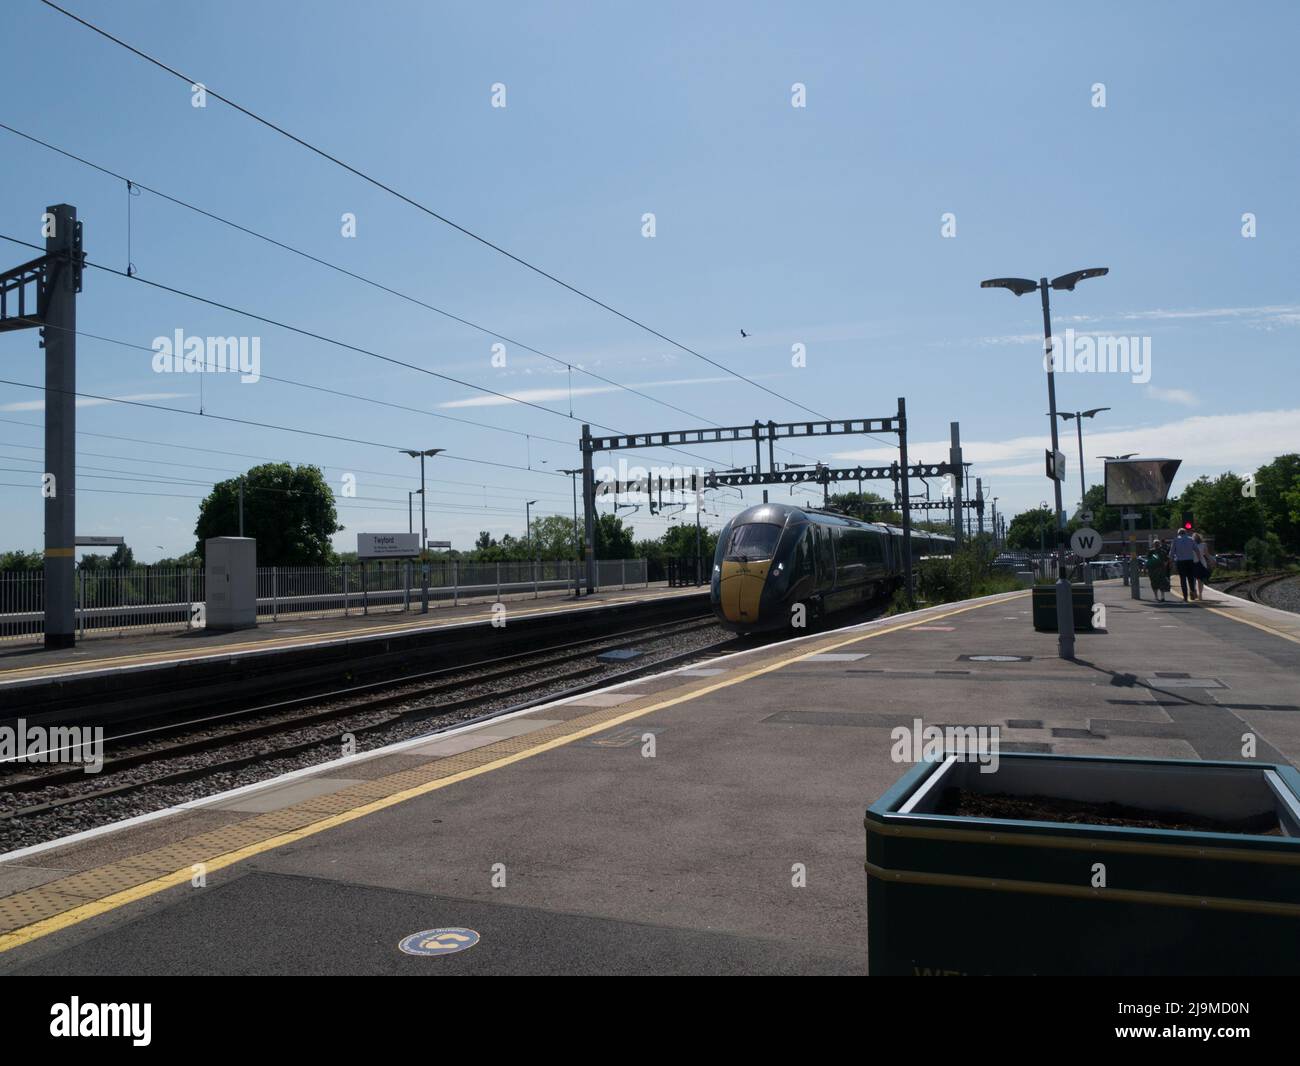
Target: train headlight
(776, 570)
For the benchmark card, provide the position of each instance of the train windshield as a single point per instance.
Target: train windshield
(757, 540)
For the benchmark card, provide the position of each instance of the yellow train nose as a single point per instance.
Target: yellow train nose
(741, 586)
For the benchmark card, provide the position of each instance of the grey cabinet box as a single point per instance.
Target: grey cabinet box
(231, 583)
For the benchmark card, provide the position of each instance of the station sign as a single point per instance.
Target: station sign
(388, 545)
(1055, 465)
(105, 542)
(1085, 543)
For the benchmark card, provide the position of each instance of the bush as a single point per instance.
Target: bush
(965, 574)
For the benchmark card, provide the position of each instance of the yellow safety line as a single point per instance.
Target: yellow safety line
(93, 908)
(74, 666)
(1258, 625)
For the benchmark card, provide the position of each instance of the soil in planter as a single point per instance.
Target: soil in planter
(967, 804)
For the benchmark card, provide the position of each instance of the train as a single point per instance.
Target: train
(774, 558)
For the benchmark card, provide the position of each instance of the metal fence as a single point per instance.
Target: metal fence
(154, 599)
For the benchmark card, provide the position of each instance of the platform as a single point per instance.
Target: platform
(736, 848)
(102, 655)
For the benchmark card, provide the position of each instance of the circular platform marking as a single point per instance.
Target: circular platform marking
(439, 941)
(997, 658)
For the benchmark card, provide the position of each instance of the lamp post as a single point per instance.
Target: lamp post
(1078, 417)
(410, 522)
(1022, 286)
(424, 525)
(528, 527)
(577, 541)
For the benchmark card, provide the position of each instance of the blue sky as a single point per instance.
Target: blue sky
(818, 226)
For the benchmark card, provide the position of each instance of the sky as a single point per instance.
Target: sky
(938, 144)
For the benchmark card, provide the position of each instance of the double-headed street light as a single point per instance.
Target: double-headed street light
(424, 525)
(1078, 417)
(1022, 287)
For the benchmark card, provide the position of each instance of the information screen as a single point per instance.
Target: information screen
(1139, 482)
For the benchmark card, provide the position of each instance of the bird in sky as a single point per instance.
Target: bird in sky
(743, 333)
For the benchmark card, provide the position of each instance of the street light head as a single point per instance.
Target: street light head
(1066, 415)
(1020, 286)
(1094, 412)
(1069, 281)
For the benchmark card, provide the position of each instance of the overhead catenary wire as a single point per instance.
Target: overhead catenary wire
(329, 340)
(355, 171)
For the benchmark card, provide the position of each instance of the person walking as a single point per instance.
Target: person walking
(1204, 564)
(1183, 553)
(1158, 569)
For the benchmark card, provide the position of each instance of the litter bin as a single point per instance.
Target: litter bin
(1044, 608)
(1164, 866)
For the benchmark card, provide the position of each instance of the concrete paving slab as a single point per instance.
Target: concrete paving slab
(278, 797)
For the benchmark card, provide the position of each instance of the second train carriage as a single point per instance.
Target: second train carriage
(774, 556)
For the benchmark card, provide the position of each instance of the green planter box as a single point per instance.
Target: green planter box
(953, 894)
(1044, 598)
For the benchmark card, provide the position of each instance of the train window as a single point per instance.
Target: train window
(803, 560)
(825, 555)
(755, 540)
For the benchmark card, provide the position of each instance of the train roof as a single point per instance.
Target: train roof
(782, 513)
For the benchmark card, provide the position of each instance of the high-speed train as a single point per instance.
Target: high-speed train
(774, 556)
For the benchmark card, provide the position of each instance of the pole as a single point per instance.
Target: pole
(1083, 490)
(1064, 594)
(60, 341)
(589, 509)
(906, 493)
(424, 541)
(241, 505)
(954, 460)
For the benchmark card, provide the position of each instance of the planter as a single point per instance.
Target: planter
(955, 893)
(1044, 600)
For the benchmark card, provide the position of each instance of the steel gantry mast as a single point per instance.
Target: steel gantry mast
(899, 472)
(53, 280)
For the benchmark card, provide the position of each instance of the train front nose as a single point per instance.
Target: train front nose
(741, 588)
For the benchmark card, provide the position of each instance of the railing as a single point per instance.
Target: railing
(154, 599)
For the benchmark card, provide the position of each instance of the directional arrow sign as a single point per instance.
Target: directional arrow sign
(1085, 543)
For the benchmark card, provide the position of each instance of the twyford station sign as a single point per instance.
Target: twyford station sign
(388, 545)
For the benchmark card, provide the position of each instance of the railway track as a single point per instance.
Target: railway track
(1253, 587)
(379, 711)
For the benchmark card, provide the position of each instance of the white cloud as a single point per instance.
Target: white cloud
(1209, 442)
(1182, 396)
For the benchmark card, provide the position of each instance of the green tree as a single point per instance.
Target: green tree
(121, 559)
(21, 560)
(1032, 530)
(1221, 510)
(288, 509)
(1277, 487)
(854, 503)
(613, 540)
(553, 537)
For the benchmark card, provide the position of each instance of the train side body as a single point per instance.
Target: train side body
(775, 561)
